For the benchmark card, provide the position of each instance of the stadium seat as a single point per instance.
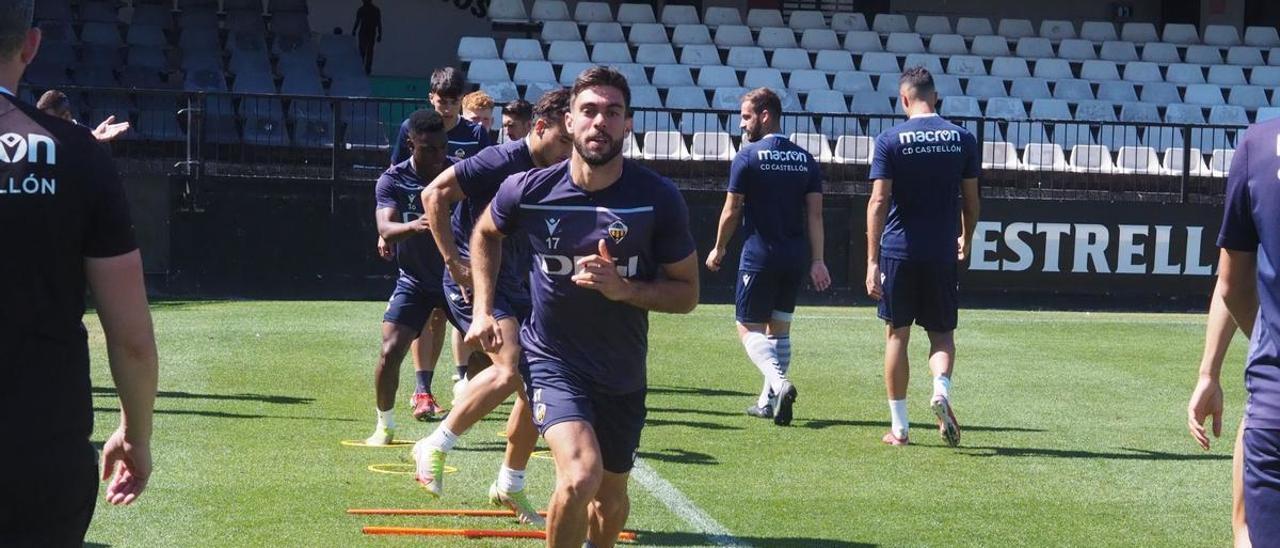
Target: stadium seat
(746, 57)
(819, 40)
(947, 85)
(1261, 37)
(655, 54)
(101, 35)
(1139, 112)
(1006, 108)
(728, 36)
(1220, 162)
(1009, 67)
(990, 46)
(973, 26)
(879, 62)
(727, 98)
(711, 146)
(590, 12)
(1015, 29)
(885, 23)
(667, 76)
(1273, 57)
(1072, 90)
(1245, 56)
(1228, 115)
(1249, 97)
(1266, 113)
(836, 125)
(562, 51)
(904, 42)
(966, 65)
(1173, 162)
(1203, 55)
(1118, 51)
(760, 18)
(198, 19)
(645, 97)
(675, 15)
(816, 144)
(1265, 76)
(848, 22)
(853, 149)
(154, 15)
(1180, 33)
(199, 59)
(948, 44)
(522, 49)
(604, 32)
(646, 121)
(691, 35)
(1226, 75)
(1043, 157)
(568, 74)
(1182, 73)
(790, 59)
(291, 24)
(926, 60)
(990, 130)
(630, 149)
(862, 41)
(764, 78)
(807, 20)
(255, 64)
(1050, 109)
(664, 145)
(717, 16)
(1113, 136)
(850, 82)
(146, 35)
(1159, 93)
(1099, 71)
(1095, 111)
(138, 56)
(635, 73)
(1140, 33)
(610, 53)
(534, 72)
(245, 21)
(700, 56)
(1053, 69)
(1057, 29)
(94, 76)
(807, 80)
(834, 61)
(204, 80)
(1160, 138)
(870, 103)
(929, 25)
(776, 37)
(1028, 88)
(1137, 160)
(1117, 92)
(648, 33)
(476, 47)
(560, 30)
(108, 58)
(1204, 94)
(1221, 35)
(550, 10)
(488, 70)
(1091, 159)
(985, 87)
(825, 101)
(961, 106)
(1158, 52)
(1023, 133)
(159, 125)
(718, 76)
(1077, 49)
(1142, 72)
(999, 155)
(1098, 31)
(686, 98)
(351, 87)
(535, 90)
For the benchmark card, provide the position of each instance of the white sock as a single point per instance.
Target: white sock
(782, 346)
(764, 358)
(766, 395)
(387, 418)
(442, 439)
(942, 387)
(510, 481)
(898, 416)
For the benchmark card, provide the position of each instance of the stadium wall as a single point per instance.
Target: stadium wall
(312, 239)
(1143, 10)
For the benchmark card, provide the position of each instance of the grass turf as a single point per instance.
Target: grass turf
(1073, 424)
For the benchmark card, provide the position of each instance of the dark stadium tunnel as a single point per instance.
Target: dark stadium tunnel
(824, 423)
(1134, 454)
(264, 398)
(668, 538)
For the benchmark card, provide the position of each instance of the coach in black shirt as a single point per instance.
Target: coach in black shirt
(64, 225)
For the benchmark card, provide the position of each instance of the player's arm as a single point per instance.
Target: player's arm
(438, 199)
(877, 212)
(674, 291)
(730, 218)
(393, 231)
(121, 302)
(817, 237)
(1237, 273)
(1206, 398)
(486, 260)
(971, 206)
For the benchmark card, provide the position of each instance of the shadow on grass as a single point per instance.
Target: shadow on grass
(95, 545)
(1132, 454)
(227, 415)
(694, 411)
(665, 538)
(264, 398)
(691, 424)
(687, 391)
(822, 424)
(680, 456)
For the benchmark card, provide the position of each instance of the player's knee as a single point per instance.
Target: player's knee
(580, 482)
(507, 378)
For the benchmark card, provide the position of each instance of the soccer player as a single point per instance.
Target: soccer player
(913, 253)
(473, 182)
(517, 119)
(425, 351)
(465, 138)
(1247, 267)
(775, 191)
(610, 240)
(66, 228)
(417, 294)
(477, 108)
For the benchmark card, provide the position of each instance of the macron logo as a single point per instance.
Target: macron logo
(781, 156)
(746, 279)
(932, 136)
(552, 224)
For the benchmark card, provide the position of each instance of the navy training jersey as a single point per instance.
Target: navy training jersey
(465, 140)
(1250, 223)
(645, 224)
(774, 175)
(926, 157)
(479, 177)
(61, 201)
(418, 257)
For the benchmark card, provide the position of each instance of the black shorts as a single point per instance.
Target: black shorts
(460, 314)
(50, 499)
(922, 292)
(411, 304)
(768, 294)
(558, 395)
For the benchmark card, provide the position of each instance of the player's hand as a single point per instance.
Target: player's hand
(819, 276)
(385, 251)
(962, 249)
(714, 259)
(598, 272)
(1206, 401)
(108, 130)
(873, 282)
(485, 333)
(420, 225)
(460, 271)
(128, 464)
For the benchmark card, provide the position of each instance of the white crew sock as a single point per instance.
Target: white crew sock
(442, 439)
(942, 387)
(387, 418)
(510, 481)
(782, 346)
(764, 358)
(898, 416)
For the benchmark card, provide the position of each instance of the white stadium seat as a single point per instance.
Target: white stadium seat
(587, 12)
(1096, 111)
(473, 47)
(1072, 90)
(990, 46)
(1050, 109)
(666, 76)
(691, 35)
(1220, 162)
(1245, 56)
(632, 13)
(645, 96)
(549, 10)
(686, 97)
(1044, 157)
(1203, 55)
(1008, 108)
(790, 59)
(1091, 159)
(1180, 33)
(886, 23)
(815, 143)
(635, 73)
(1117, 92)
(1118, 51)
(560, 30)
(727, 98)
(1142, 71)
(675, 14)
(850, 82)
(1074, 48)
(1183, 73)
(879, 62)
(974, 26)
(819, 39)
(570, 71)
(1159, 93)
(926, 60)
(948, 44)
(610, 53)
(1228, 115)
(961, 106)
(853, 149)
(1221, 35)
(1139, 33)
(604, 32)
(1015, 28)
(521, 49)
(1262, 37)
(1053, 68)
(700, 55)
(664, 145)
(1029, 88)
(1139, 112)
(563, 51)
(860, 41)
(985, 87)
(776, 37)
(929, 25)
(806, 80)
(1249, 97)
(848, 22)
(719, 76)
(999, 155)
(1099, 71)
(648, 33)
(1265, 76)
(806, 20)
(966, 65)
(1266, 113)
(488, 70)
(834, 61)
(1204, 94)
(630, 149)
(728, 36)
(1057, 29)
(655, 54)
(718, 15)
(508, 11)
(764, 78)
(904, 42)
(711, 146)
(1139, 160)
(1098, 31)
(1226, 75)
(1159, 52)
(1173, 162)
(825, 101)
(759, 18)
(1009, 67)
(1033, 47)
(534, 72)
(746, 57)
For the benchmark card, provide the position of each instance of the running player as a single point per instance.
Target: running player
(517, 119)
(775, 191)
(417, 293)
(610, 240)
(473, 182)
(920, 168)
(465, 138)
(477, 108)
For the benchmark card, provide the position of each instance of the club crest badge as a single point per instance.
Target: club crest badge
(540, 413)
(618, 231)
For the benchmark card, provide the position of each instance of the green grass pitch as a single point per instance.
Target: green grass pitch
(1074, 434)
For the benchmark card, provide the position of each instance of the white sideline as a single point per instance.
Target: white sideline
(681, 506)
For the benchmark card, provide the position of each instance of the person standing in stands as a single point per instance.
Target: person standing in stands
(368, 28)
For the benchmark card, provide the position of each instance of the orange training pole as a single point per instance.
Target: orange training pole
(433, 512)
(625, 536)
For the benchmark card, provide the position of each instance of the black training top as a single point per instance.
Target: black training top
(60, 201)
